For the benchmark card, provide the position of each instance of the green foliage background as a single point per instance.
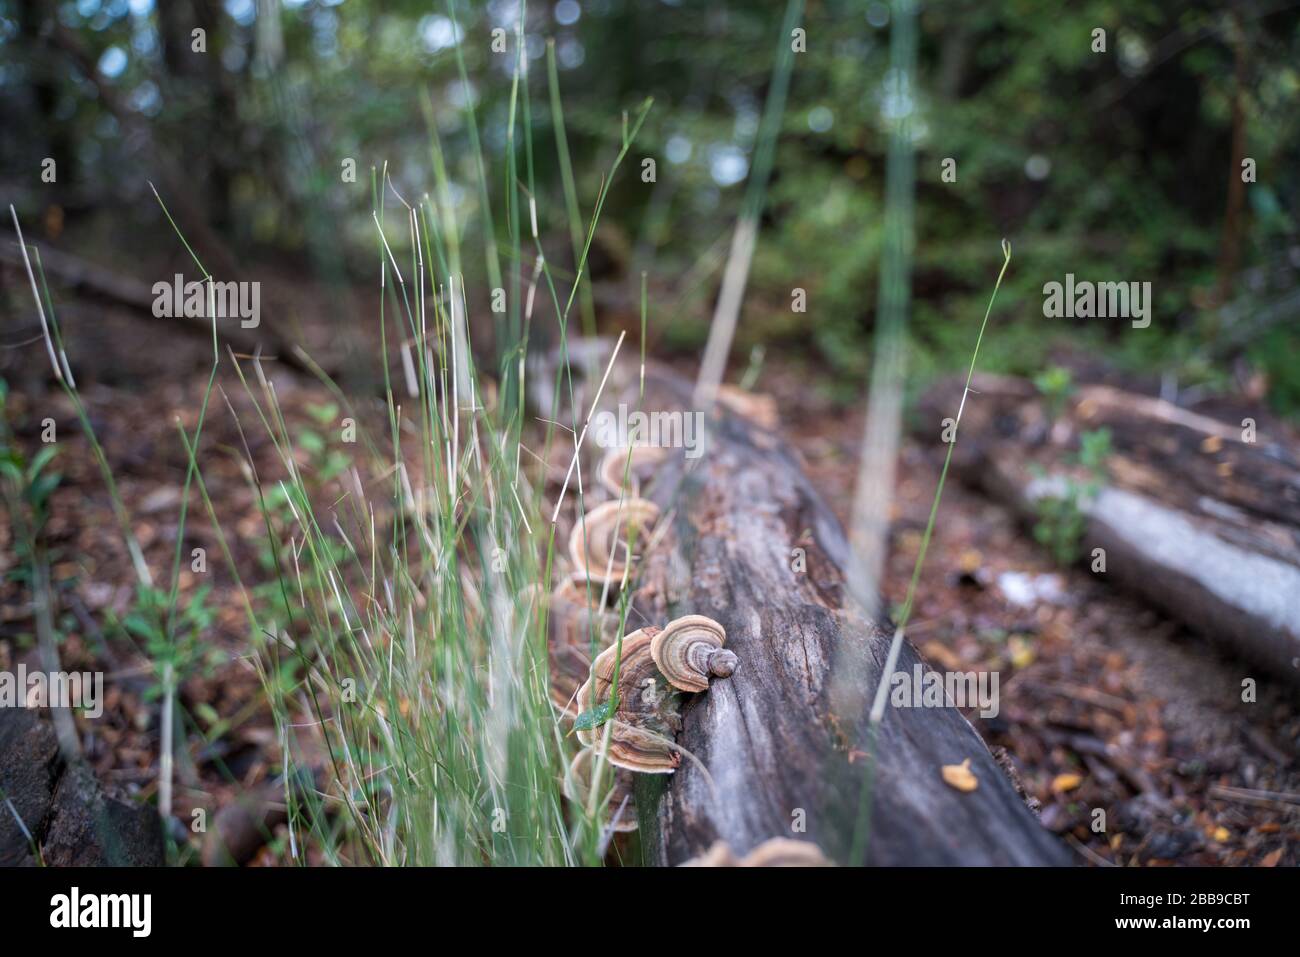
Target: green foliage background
(1131, 154)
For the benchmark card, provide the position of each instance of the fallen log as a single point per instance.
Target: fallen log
(88, 279)
(770, 752)
(57, 814)
(1196, 515)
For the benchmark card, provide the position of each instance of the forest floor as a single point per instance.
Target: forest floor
(1104, 703)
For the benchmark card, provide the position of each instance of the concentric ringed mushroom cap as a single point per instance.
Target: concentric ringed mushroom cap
(633, 748)
(636, 666)
(646, 714)
(636, 663)
(689, 650)
(757, 407)
(719, 855)
(596, 542)
(639, 749)
(784, 852)
(774, 852)
(615, 464)
(574, 598)
(569, 669)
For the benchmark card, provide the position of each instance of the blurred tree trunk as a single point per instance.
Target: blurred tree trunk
(178, 177)
(208, 135)
(1230, 249)
(58, 143)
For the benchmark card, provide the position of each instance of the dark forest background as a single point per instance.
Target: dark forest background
(1122, 165)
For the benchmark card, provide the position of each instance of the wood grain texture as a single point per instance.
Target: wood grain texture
(769, 741)
(1193, 520)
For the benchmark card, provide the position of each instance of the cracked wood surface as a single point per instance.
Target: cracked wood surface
(770, 739)
(1194, 520)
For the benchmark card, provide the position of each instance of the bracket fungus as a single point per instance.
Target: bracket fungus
(577, 788)
(569, 668)
(774, 852)
(615, 465)
(635, 665)
(571, 626)
(785, 852)
(595, 543)
(579, 612)
(646, 717)
(642, 749)
(757, 407)
(689, 650)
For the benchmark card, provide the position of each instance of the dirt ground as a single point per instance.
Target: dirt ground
(1105, 705)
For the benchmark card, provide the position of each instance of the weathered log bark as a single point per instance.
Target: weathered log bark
(773, 747)
(57, 814)
(1192, 518)
(95, 281)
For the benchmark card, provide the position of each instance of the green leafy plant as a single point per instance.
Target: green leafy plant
(1061, 518)
(1056, 385)
(179, 651)
(27, 485)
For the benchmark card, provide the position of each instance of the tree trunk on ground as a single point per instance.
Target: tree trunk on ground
(1194, 519)
(57, 810)
(780, 750)
(94, 281)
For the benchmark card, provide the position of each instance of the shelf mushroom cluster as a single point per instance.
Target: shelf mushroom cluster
(774, 852)
(654, 664)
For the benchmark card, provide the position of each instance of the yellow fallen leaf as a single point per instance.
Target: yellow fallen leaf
(1022, 652)
(1066, 782)
(1221, 834)
(960, 777)
(970, 561)
(939, 653)
(1211, 444)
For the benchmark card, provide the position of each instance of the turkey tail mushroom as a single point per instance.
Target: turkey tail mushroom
(646, 716)
(578, 611)
(689, 650)
(637, 463)
(571, 628)
(641, 749)
(757, 407)
(577, 788)
(595, 542)
(636, 666)
(785, 852)
(774, 852)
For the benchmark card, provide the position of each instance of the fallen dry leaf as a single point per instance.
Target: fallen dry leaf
(940, 654)
(1271, 859)
(1022, 652)
(1066, 782)
(960, 777)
